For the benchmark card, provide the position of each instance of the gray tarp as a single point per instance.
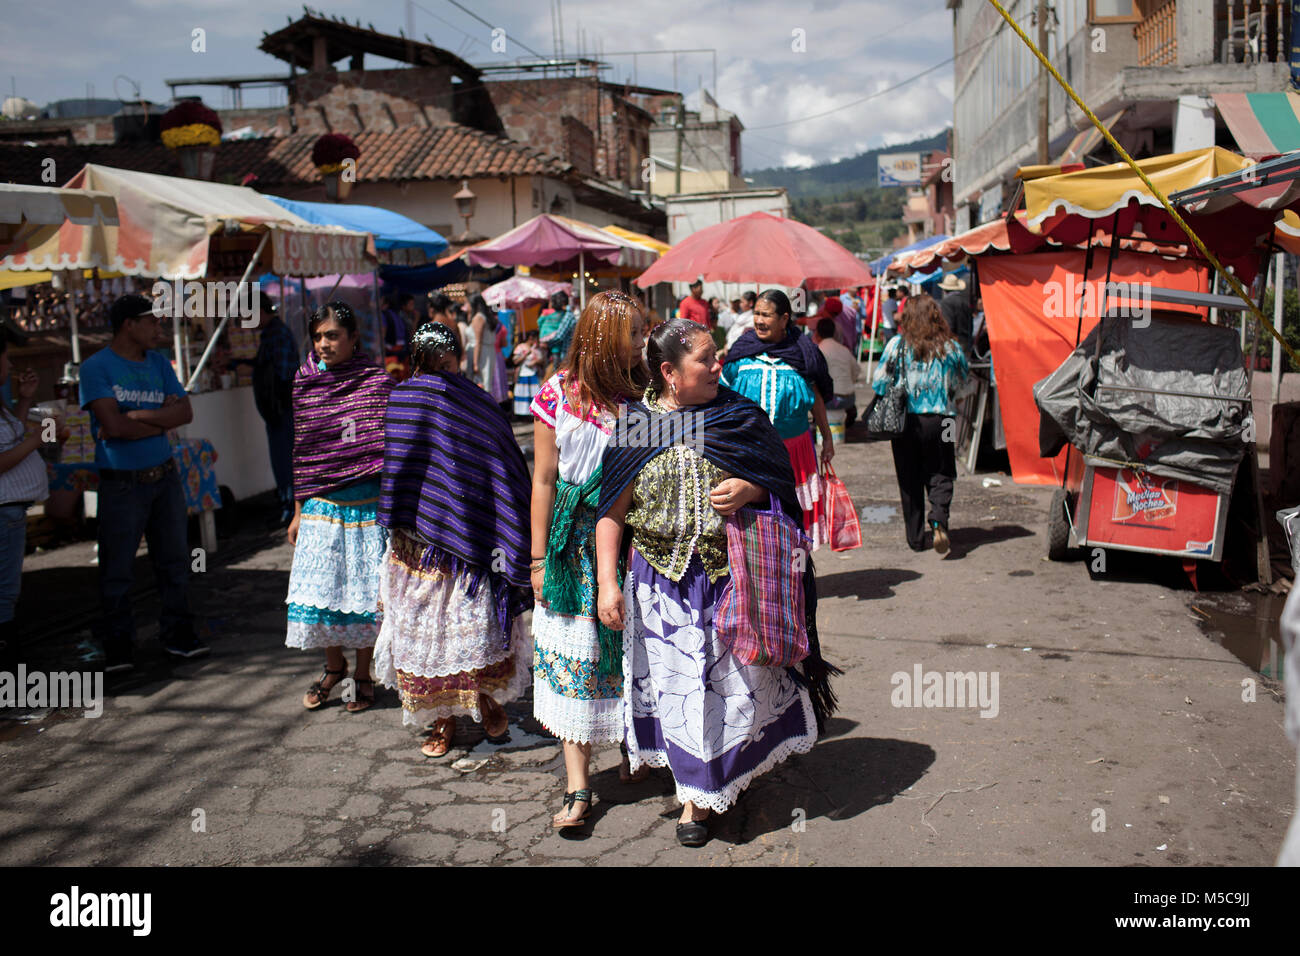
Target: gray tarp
(1197, 439)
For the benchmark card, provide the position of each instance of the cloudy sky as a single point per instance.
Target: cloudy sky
(850, 50)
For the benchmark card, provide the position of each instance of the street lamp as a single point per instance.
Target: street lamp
(465, 199)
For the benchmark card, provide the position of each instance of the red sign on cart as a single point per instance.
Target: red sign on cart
(1137, 511)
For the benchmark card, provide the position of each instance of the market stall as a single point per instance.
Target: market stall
(1149, 405)
(204, 241)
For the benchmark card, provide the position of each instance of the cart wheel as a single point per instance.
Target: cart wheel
(1058, 527)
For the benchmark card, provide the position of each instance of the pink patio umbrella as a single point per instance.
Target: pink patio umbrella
(548, 240)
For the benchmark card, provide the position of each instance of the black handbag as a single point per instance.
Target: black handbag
(886, 413)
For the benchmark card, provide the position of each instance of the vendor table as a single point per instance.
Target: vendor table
(195, 460)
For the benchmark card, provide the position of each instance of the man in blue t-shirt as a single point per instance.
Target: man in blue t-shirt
(134, 398)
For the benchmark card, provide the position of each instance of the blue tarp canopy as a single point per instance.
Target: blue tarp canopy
(391, 230)
(878, 266)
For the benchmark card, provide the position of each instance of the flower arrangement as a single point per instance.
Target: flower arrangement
(331, 150)
(190, 123)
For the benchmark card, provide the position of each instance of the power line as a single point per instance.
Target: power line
(988, 39)
(493, 26)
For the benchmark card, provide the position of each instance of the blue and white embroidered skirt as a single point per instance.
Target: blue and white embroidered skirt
(334, 581)
(527, 385)
(688, 704)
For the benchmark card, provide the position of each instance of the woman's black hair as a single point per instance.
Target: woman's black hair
(441, 303)
(478, 305)
(559, 301)
(342, 314)
(780, 301)
(670, 343)
(431, 341)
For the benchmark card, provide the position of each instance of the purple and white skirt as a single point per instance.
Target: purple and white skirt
(688, 704)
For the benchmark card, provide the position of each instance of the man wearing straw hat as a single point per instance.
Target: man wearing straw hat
(956, 309)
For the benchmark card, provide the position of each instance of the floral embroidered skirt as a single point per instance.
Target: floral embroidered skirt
(439, 646)
(688, 704)
(571, 697)
(334, 581)
(808, 487)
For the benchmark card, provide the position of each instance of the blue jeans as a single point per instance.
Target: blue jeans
(127, 510)
(279, 439)
(13, 545)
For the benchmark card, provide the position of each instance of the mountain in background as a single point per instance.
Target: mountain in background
(846, 175)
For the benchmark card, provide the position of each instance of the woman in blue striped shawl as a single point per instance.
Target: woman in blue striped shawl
(454, 583)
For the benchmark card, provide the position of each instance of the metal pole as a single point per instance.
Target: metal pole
(225, 319)
(1043, 87)
(875, 321)
(582, 281)
(1279, 286)
(72, 331)
(681, 132)
(178, 344)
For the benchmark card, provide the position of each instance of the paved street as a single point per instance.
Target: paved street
(1110, 698)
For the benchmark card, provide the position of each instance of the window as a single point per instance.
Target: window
(1113, 11)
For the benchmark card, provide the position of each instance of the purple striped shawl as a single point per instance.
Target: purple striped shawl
(338, 424)
(455, 476)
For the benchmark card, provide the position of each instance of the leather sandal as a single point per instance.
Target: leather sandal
(504, 723)
(569, 800)
(363, 701)
(439, 740)
(318, 693)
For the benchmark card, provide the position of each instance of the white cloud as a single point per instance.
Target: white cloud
(851, 48)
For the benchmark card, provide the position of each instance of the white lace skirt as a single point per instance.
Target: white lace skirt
(334, 580)
(441, 648)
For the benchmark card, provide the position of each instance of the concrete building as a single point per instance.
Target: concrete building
(1150, 69)
(710, 160)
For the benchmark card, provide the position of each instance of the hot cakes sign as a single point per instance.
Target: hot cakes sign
(325, 252)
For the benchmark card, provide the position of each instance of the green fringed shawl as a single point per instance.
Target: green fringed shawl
(562, 589)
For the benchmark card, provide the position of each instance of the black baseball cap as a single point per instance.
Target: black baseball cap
(129, 306)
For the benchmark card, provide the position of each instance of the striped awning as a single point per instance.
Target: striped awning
(1086, 140)
(1263, 124)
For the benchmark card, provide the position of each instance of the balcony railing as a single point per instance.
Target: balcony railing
(1157, 36)
(1252, 31)
(1245, 31)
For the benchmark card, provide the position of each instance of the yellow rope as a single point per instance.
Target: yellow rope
(1196, 240)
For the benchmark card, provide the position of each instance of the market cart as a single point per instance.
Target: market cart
(1152, 409)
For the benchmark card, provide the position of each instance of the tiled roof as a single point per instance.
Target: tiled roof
(443, 152)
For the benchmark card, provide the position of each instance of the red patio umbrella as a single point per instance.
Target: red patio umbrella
(760, 247)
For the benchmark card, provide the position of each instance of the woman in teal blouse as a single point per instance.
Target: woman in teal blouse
(777, 366)
(925, 454)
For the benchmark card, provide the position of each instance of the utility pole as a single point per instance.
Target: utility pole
(681, 133)
(1043, 86)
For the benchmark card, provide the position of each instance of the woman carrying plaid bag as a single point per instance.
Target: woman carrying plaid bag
(680, 462)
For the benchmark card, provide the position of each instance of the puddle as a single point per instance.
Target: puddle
(1246, 624)
(879, 514)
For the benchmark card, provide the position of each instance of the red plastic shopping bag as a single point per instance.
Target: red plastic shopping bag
(845, 532)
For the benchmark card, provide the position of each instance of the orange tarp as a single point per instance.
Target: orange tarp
(1031, 305)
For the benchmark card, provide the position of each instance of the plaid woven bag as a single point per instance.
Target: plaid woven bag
(760, 615)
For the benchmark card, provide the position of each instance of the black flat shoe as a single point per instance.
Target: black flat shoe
(693, 834)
